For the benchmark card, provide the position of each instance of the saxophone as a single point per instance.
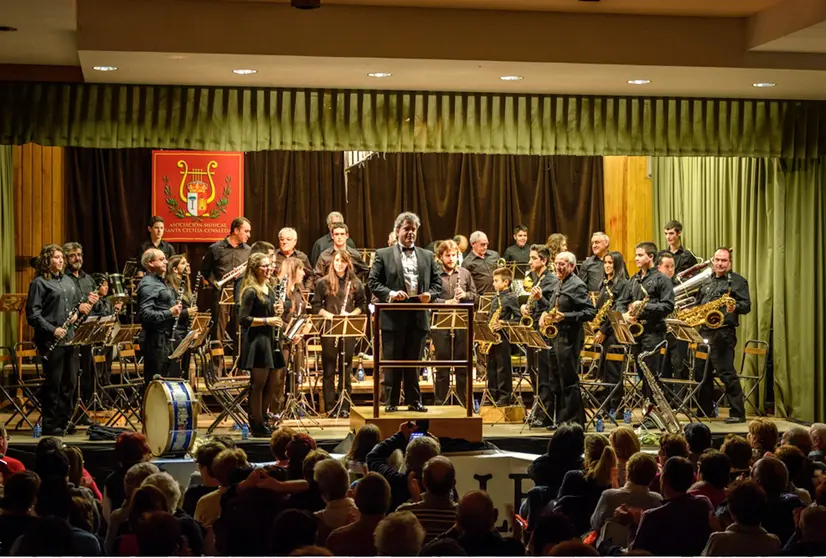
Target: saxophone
(637, 328)
(527, 321)
(708, 314)
(660, 411)
(550, 331)
(484, 348)
(593, 326)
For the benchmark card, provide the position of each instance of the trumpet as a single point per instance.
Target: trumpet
(500, 263)
(234, 274)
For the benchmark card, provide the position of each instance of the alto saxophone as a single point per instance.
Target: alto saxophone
(484, 348)
(708, 314)
(527, 321)
(637, 328)
(592, 327)
(550, 331)
(660, 411)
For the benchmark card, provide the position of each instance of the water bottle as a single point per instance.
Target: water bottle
(245, 432)
(236, 426)
(425, 374)
(600, 424)
(360, 373)
(716, 411)
(476, 406)
(626, 418)
(613, 414)
(37, 430)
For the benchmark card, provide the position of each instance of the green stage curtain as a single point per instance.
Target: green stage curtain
(8, 320)
(772, 214)
(250, 119)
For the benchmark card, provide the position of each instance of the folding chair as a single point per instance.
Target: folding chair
(592, 388)
(758, 349)
(27, 382)
(8, 374)
(126, 393)
(685, 392)
(230, 392)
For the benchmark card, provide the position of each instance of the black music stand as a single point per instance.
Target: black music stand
(450, 320)
(343, 328)
(93, 331)
(297, 407)
(130, 401)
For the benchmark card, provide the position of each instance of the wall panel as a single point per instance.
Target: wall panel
(629, 216)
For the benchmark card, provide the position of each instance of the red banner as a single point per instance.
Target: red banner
(198, 193)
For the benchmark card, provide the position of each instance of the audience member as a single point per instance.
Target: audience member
(818, 433)
(762, 437)
(17, 505)
(248, 513)
(771, 474)
(681, 526)
(130, 448)
(739, 453)
(436, 511)
(796, 464)
(82, 514)
(671, 445)
(12, 464)
(798, 437)
(642, 469)
(698, 437)
(713, 477)
(131, 482)
(417, 452)
(293, 529)
(581, 490)
(297, 449)
(279, 441)
(399, 534)
(551, 529)
(812, 533)
(311, 551)
(442, 547)
(625, 443)
(333, 482)
(475, 528)
(573, 548)
(144, 500)
(358, 538)
(171, 490)
(744, 537)
(204, 458)
(356, 459)
(225, 467)
(47, 536)
(55, 498)
(160, 534)
(310, 499)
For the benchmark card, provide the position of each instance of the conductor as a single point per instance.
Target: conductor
(404, 272)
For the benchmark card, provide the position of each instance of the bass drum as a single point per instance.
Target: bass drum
(170, 417)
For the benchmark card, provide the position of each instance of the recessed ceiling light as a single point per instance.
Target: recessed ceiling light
(639, 81)
(763, 84)
(105, 68)
(511, 78)
(7, 29)
(380, 74)
(176, 57)
(244, 71)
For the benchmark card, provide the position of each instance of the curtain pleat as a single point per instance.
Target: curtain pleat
(8, 320)
(250, 119)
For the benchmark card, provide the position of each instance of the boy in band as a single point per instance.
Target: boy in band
(542, 362)
(500, 375)
(683, 258)
(674, 366)
(520, 251)
(457, 286)
(156, 230)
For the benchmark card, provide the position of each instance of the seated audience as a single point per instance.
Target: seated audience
(417, 452)
(797, 466)
(681, 526)
(372, 498)
(698, 437)
(771, 474)
(130, 448)
(131, 482)
(310, 500)
(171, 490)
(297, 449)
(333, 482)
(442, 547)
(356, 459)
(145, 500)
(55, 498)
(642, 468)
(581, 490)
(204, 457)
(293, 529)
(47, 536)
(762, 437)
(12, 465)
(671, 445)
(713, 477)
(625, 443)
(812, 540)
(311, 551)
(475, 528)
(573, 548)
(552, 528)
(818, 433)
(17, 507)
(279, 440)
(79, 476)
(82, 514)
(399, 534)
(436, 510)
(160, 534)
(739, 453)
(226, 467)
(744, 537)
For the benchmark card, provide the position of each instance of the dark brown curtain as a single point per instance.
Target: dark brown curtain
(109, 198)
(460, 193)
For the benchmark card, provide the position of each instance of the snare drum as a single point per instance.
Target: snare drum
(117, 292)
(170, 417)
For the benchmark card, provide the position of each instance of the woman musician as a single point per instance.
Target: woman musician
(104, 308)
(614, 283)
(339, 293)
(292, 269)
(177, 270)
(260, 316)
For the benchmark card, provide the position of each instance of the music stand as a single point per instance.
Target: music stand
(485, 337)
(15, 302)
(485, 301)
(343, 328)
(296, 407)
(227, 296)
(93, 331)
(450, 320)
(684, 332)
(621, 329)
(84, 332)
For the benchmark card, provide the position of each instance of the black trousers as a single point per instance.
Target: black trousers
(721, 356)
(565, 383)
(330, 358)
(611, 372)
(645, 343)
(156, 349)
(59, 383)
(500, 372)
(542, 364)
(675, 363)
(226, 320)
(442, 342)
(405, 344)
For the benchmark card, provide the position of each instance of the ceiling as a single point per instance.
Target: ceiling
(696, 48)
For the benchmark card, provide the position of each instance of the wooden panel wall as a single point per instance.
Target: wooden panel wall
(629, 210)
(39, 180)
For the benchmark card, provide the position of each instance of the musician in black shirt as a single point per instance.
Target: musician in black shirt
(613, 289)
(723, 339)
(287, 239)
(178, 273)
(340, 235)
(339, 293)
(295, 307)
(326, 241)
(103, 309)
(50, 304)
(683, 258)
(571, 309)
(591, 269)
(158, 307)
(520, 251)
(499, 371)
(675, 365)
(481, 262)
(156, 230)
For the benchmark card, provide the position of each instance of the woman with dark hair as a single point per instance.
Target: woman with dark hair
(614, 283)
(131, 448)
(356, 459)
(50, 310)
(17, 515)
(178, 270)
(292, 269)
(259, 316)
(339, 293)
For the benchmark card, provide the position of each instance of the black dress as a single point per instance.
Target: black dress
(257, 347)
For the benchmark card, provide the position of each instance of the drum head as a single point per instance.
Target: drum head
(156, 421)
(170, 417)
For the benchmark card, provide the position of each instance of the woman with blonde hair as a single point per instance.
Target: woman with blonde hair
(260, 316)
(557, 243)
(178, 271)
(625, 443)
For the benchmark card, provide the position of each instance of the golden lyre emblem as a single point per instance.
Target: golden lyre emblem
(197, 190)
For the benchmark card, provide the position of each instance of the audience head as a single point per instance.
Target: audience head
(738, 451)
(311, 550)
(54, 498)
(677, 477)
(20, 493)
(476, 514)
(131, 448)
(291, 530)
(205, 458)
(698, 437)
(226, 465)
(297, 450)
(798, 437)
(818, 433)
(159, 534)
(228, 442)
(625, 442)
(365, 440)
(168, 486)
(47, 536)
(45, 445)
(444, 546)
(573, 548)
(308, 466)
(793, 459)
(82, 513)
(672, 445)
(772, 475)
(600, 459)
(813, 524)
(75, 457)
(762, 436)
(568, 443)
(146, 499)
(399, 534)
(372, 495)
(715, 468)
(419, 451)
(439, 476)
(279, 440)
(642, 469)
(746, 502)
(135, 476)
(551, 529)
(332, 479)
(52, 465)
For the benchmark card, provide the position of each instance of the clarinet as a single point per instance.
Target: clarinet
(180, 300)
(198, 280)
(280, 296)
(346, 296)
